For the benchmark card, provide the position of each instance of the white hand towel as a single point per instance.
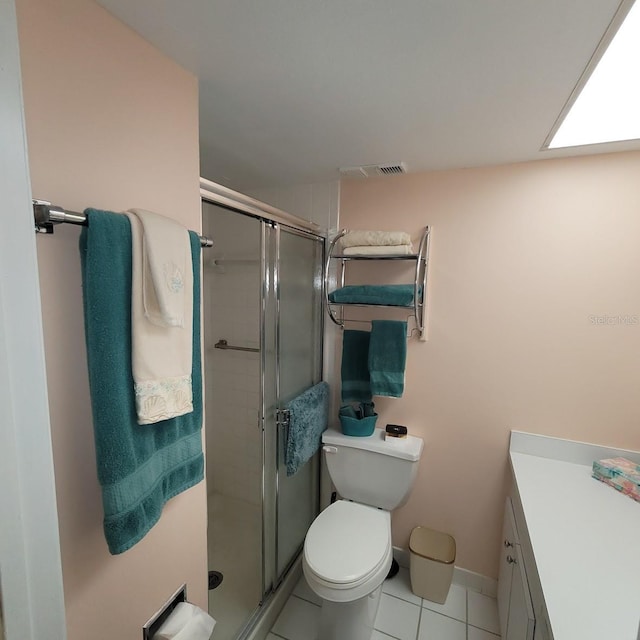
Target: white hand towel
(385, 238)
(379, 250)
(167, 254)
(161, 327)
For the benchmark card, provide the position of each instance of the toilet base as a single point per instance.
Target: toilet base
(352, 620)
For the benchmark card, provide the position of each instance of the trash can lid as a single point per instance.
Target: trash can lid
(433, 545)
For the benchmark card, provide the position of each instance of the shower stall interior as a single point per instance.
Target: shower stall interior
(262, 298)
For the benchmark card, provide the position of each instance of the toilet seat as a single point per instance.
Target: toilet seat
(347, 551)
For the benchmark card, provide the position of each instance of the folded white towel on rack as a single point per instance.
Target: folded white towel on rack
(366, 238)
(161, 316)
(379, 250)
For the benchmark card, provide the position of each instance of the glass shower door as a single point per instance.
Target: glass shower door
(233, 284)
(299, 363)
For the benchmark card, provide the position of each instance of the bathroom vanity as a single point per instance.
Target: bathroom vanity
(570, 558)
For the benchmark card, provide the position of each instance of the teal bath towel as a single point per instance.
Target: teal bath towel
(308, 418)
(356, 386)
(140, 467)
(387, 357)
(396, 295)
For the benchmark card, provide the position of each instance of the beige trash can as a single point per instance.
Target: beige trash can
(433, 555)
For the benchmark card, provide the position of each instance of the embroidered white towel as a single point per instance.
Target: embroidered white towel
(379, 250)
(385, 238)
(161, 317)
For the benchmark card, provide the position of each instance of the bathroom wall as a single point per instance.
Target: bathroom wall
(111, 123)
(534, 324)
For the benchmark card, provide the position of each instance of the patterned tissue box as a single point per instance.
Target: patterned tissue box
(619, 473)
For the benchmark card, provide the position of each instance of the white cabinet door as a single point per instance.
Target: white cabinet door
(521, 622)
(505, 575)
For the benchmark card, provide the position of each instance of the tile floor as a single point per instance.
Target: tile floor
(466, 615)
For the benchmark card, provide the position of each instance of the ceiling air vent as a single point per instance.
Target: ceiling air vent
(373, 170)
(391, 169)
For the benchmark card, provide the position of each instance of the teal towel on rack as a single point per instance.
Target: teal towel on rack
(387, 357)
(397, 295)
(356, 386)
(140, 467)
(308, 418)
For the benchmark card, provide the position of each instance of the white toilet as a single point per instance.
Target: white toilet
(347, 551)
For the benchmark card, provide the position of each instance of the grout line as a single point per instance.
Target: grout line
(466, 606)
(386, 635)
(466, 612)
(402, 599)
(485, 630)
(419, 623)
(444, 615)
(295, 595)
(276, 635)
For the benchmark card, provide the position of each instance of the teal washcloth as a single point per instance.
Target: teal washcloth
(140, 467)
(308, 418)
(355, 370)
(387, 357)
(397, 295)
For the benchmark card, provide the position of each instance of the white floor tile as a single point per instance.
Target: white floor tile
(455, 605)
(298, 620)
(397, 618)
(479, 634)
(434, 626)
(303, 590)
(483, 612)
(272, 637)
(400, 587)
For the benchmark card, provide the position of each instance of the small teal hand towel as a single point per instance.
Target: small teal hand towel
(387, 357)
(356, 386)
(308, 418)
(140, 467)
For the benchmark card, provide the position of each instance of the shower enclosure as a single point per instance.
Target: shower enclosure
(262, 298)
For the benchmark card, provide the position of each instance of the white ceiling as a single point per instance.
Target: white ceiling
(290, 90)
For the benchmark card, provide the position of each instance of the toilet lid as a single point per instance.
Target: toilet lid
(347, 542)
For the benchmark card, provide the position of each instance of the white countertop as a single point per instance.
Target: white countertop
(585, 538)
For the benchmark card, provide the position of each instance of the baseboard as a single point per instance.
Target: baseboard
(463, 577)
(475, 581)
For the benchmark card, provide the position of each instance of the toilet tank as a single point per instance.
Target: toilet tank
(372, 470)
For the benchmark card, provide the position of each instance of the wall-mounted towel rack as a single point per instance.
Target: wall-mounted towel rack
(46, 215)
(336, 310)
(223, 344)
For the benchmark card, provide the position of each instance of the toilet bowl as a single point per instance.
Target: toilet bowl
(347, 550)
(347, 555)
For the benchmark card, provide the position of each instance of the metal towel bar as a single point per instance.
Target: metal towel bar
(223, 344)
(46, 215)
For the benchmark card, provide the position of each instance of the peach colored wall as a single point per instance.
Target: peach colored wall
(111, 123)
(523, 256)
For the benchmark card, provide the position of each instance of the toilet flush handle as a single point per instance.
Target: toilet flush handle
(327, 449)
